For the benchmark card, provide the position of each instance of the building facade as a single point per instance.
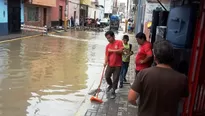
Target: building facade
(38, 12)
(74, 9)
(58, 13)
(101, 4)
(108, 8)
(11, 16)
(84, 4)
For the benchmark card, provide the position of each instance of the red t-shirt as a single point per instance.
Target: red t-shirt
(114, 59)
(143, 51)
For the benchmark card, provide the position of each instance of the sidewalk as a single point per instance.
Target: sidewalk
(118, 106)
(17, 35)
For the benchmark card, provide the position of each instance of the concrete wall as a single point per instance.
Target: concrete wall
(4, 17)
(3, 12)
(101, 13)
(102, 10)
(55, 10)
(92, 10)
(22, 13)
(74, 5)
(108, 6)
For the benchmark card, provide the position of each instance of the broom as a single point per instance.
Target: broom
(95, 98)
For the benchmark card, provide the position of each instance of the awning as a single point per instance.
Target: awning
(99, 6)
(85, 2)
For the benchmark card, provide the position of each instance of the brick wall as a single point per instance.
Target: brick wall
(40, 18)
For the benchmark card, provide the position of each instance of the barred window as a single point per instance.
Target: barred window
(32, 13)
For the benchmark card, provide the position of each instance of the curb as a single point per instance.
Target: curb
(20, 38)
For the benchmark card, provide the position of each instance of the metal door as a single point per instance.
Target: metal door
(195, 104)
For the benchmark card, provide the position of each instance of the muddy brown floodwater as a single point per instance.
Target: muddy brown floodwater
(49, 76)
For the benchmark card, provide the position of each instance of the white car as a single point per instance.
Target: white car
(104, 22)
(123, 20)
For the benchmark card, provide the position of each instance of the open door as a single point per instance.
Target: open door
(44, 16)
(14, 16)
(60, 15)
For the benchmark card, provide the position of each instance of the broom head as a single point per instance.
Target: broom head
(96, 99)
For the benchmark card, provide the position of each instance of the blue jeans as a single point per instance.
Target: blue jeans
(123, 72)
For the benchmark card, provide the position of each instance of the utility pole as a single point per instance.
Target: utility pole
(126, 18)
(66, 15)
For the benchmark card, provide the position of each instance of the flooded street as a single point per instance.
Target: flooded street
(49, 75)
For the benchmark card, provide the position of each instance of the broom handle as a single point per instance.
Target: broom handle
(98, 91)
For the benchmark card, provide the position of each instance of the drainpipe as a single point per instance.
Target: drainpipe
(66, 15)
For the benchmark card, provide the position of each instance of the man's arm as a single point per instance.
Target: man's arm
(132, 97)
(106, 56)
(147, 59)
(149, 54)
(116, 51)
(119, 50)
(135, 90)
(106, 61)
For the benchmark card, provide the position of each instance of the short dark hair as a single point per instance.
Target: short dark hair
(164, 52)
(111, 33)
(126, 37)
(141, 35)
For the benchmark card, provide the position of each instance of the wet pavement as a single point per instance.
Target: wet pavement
(50, 75)
(114, 107)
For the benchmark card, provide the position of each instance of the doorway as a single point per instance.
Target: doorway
(44, 16)
(74, 15)
(60, 15)
(14, 16)
(94, 14)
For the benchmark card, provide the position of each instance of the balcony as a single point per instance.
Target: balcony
(51, 3)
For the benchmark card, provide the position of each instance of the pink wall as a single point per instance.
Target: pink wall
(73, 5)
(55, 10)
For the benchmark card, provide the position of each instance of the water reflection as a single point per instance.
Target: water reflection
(42, 76)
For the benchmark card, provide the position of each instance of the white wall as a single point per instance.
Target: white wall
(101, 13)
(73, 5)
(108, 6)
(101, 10)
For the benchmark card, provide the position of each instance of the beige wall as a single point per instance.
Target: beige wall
(51, 3)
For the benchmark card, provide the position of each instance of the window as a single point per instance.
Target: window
(33, 14)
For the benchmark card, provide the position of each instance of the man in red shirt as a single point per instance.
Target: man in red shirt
(113, 61)
(144, 56)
